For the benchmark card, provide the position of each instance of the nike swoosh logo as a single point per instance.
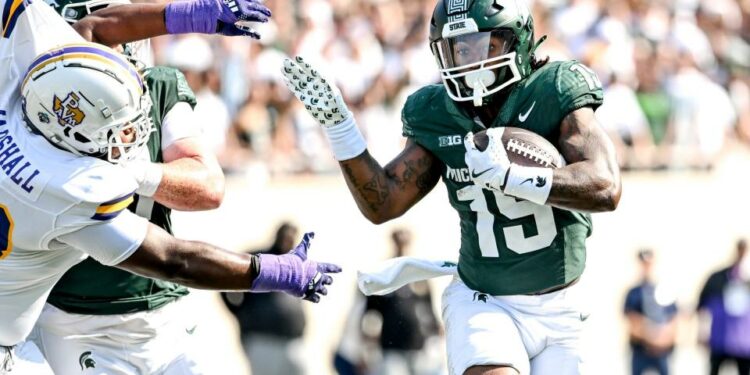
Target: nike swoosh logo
(190, 330)
(476, 175)
(523, 116)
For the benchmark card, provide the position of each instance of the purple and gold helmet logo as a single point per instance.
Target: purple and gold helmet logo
(67, 111)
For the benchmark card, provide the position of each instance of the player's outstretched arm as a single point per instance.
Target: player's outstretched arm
(591, 180)
(126, 23)
(381, 193)
(200, 265)
(204, 266)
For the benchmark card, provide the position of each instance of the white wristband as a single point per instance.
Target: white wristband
(530, 183)
(346, 140)
(148, 175)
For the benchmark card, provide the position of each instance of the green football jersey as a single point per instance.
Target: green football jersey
(508, 246)
(92, 288)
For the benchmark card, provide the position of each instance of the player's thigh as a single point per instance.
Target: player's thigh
(67, 355)
(559, 359)
(480, 333)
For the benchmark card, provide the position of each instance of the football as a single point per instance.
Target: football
(524, 148)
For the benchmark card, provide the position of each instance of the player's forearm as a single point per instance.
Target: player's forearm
(584, 187)
(191, 263)
(386, 193)
(371, 187)
(116, 25)
(190, 185)
(204, 266)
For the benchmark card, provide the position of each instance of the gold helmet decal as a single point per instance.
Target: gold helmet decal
(67, 111)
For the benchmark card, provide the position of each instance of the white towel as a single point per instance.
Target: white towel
(394, 273)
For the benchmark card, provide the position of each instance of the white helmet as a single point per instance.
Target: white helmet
(85, 98)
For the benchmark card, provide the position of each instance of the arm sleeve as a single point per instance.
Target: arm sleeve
(632, 301)
(714, 286)
(577, 86)
(110, 242)
(177, 124)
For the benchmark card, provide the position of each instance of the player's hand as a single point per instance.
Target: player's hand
(321, 99)
(233, 11)
(294, 273)
(488, 168)
(225, 17)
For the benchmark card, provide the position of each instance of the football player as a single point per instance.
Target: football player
(90, 296)
(70, 113)
(511, 310)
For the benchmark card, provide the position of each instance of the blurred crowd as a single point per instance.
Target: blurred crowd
(676, 75)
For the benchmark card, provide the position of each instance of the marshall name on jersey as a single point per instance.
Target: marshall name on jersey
(47, 195)
(509, 246)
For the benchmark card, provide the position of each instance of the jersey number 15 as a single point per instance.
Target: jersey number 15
(515, 239)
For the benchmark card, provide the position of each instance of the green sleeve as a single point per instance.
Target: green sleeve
(577, 86)
(168, 87)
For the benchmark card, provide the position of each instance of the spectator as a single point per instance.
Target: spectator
(652, 318)
(726, 299)
(271, 324)
(408, 322)
(622, 118)
(703, 115)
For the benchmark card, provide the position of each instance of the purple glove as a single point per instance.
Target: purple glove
(293, 273)
(214, 16)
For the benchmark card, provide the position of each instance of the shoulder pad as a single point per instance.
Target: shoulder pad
(416, 106)
(168, 86)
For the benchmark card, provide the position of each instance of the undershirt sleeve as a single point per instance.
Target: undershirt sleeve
(110, 242)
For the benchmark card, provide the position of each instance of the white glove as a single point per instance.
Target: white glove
(488, 168)
(322, 101)
(148, 175)
(325, 104)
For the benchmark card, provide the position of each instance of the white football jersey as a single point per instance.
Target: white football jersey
(27, 28)
(50, 199)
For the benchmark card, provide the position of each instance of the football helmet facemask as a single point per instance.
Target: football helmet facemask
(87, 99)
(481, 46)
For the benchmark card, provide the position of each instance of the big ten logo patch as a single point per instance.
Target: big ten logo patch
(449, 140)
(67, 111)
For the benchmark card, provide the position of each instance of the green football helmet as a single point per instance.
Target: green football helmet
(72, 11)
(481, 46)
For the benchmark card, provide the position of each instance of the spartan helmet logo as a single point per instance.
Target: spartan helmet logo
(67, 111)
(86, 361)
(480, 297)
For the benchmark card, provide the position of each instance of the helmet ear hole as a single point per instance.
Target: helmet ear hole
(81, 138)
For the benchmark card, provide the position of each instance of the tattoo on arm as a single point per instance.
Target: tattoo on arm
(385, 193)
